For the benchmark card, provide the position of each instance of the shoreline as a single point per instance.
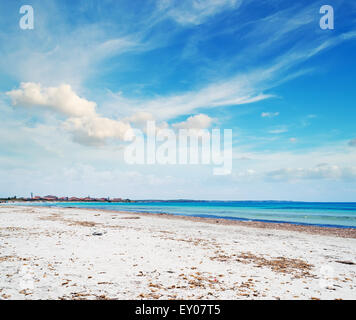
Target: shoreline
(309, 229)
(328, 224)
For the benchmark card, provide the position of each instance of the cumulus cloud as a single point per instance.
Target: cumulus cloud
(269, 114)
(86, 125)
(199, 121)
(141, 117)
(352, 143)
(61, 99)
(96, 128)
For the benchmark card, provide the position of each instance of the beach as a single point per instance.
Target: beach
(71, 253)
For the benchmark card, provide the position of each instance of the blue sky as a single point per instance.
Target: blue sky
(265, 69)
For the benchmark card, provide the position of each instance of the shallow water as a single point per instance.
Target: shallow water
(325, 214)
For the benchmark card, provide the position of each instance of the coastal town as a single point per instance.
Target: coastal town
(62, 199)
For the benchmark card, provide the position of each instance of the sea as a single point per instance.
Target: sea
(324, 214)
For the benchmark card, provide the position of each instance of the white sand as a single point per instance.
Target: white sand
(48, 253)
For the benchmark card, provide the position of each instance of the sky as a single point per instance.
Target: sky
(88, 71)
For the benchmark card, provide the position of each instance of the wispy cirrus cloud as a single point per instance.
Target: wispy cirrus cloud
(195, 12)
(269, 114)
(239, 89)
(278, 130)
(53, 53)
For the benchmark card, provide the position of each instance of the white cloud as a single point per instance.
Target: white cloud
(141, 117)
(334, 161)
(322, 171)
(195, 12)
(278, 130)
(96, 129)
(69, 57)
(241, 89)
(199, 121)
(86, 125)
(60, 99)
(269, 114)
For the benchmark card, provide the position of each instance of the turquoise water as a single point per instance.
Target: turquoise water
(306, 213)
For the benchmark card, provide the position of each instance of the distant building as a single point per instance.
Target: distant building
(74, 199)
(50, 198)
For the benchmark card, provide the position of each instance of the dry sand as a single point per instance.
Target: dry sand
(58, 253)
